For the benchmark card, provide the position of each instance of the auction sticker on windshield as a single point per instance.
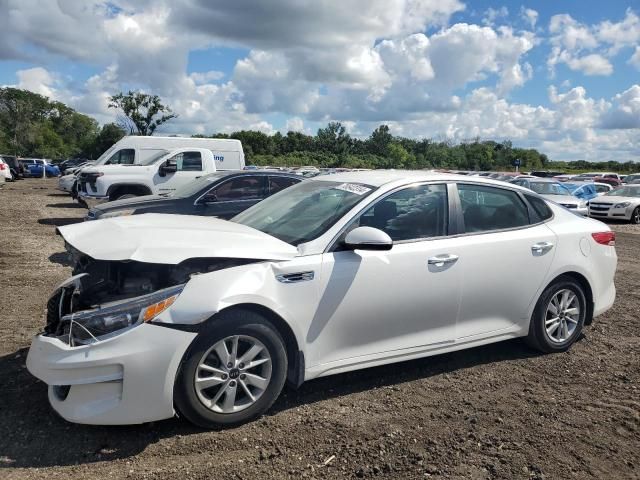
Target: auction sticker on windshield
(354, 188)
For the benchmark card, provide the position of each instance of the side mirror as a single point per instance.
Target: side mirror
(167, 168)
(367, 238)
(208, 199)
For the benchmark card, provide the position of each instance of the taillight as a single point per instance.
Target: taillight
(2, 165)
(605, 238)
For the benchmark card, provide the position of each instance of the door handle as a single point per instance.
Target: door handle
(541, 247)
(442, 260)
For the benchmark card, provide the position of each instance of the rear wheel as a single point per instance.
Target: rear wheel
(559, 316)
(635, 216)
(233, 372)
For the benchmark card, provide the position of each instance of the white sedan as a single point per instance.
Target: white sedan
(209, 318)
(622, 203)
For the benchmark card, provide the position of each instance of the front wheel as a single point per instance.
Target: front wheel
(125, 196)
(559, 316)
(635, 216)
(233, 372)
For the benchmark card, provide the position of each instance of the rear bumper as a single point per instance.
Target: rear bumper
(127, 379)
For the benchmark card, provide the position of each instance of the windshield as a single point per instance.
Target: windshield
(154, 158)
(195, 186)
(549, 188)
(628, 191)
(305, 211)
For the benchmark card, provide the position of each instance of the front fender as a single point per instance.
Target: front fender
(207, 294)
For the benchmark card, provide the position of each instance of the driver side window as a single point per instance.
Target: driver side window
(409, 214)
(187, 162)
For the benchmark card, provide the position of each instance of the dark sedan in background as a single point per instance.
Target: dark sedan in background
(221, 194)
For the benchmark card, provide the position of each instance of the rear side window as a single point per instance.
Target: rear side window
(540, 208)
(244, 187)
(280, 183)
(126, 156)
(487, 209)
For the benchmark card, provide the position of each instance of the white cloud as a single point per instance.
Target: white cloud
(206, 77)
(588, 48)
(530, 16)
(635, 58)
(593, 64)
(37, 80)
(625, 113)
(361, 62)
(491, 15)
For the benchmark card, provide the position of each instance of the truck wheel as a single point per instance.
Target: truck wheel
(125, 196)
(233, 371)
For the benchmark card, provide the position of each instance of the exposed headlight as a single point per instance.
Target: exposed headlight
(117, 213)
(89, 326)
(622, 205)
(582, 203)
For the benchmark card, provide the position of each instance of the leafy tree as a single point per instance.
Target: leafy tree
(140, 113)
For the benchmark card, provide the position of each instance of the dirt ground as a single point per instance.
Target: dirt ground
(500, 411)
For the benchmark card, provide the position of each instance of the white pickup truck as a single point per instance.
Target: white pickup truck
(162, 173)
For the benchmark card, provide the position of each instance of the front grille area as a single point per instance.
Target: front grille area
(599, 207)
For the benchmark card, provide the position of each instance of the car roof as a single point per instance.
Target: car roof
(378, 178)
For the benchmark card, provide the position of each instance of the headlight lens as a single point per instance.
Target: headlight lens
(118, 213)
(622, 205)
(582, 204)
(89, 326)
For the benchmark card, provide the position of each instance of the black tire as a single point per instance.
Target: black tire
(538, 337)
(124, 196)
(234, 322)
(635, 216)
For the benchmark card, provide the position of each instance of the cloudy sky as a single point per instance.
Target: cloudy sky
(561, 76)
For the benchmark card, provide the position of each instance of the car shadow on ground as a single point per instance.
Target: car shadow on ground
(65, 205)
(57, 194)
(61, 258)
(59, 221)
(33, 436)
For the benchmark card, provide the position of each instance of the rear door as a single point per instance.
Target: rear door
(505, 253)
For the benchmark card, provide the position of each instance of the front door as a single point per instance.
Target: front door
(188, 167)
(377, 304)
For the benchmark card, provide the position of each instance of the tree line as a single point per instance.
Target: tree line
(31, 125)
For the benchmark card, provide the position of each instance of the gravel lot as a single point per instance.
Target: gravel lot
(500, 411)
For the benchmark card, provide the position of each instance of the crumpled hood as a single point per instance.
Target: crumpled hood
(171, 239)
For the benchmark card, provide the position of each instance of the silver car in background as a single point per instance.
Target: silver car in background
(623, 203)
(556, 192)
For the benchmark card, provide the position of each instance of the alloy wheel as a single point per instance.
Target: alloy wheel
(233, 374)
(562, 316)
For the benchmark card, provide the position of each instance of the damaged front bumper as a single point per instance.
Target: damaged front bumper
(126, 379)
